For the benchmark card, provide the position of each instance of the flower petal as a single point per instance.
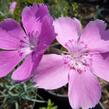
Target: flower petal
(13, 28)
(67, 29)
(8, 60)
(84, 90)
(36, 59)
(95, 31)
(24, 71)
(47, 35)
(51, 72)
(100, 66)
(32, 16)
(92, 31)
(10, 34)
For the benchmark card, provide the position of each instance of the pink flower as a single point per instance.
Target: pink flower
(12, 7)
(26, 43)
(84, 59)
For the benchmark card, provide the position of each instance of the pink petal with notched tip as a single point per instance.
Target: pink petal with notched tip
(51, 72)
(41, 32)
(84, 90)
(32, 16)
(94, 36)
(92, 31)
(100, 66)
(67, 29)
(8, 60)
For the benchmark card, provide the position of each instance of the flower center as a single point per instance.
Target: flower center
(28, 44)
(77, 57)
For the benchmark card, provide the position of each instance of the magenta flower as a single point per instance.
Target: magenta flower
(26, 44)
(84, 59)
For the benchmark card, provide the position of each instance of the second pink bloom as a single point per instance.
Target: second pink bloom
(86, 57)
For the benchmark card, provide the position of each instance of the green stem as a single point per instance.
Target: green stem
(16, 105)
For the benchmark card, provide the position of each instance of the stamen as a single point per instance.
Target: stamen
(77, 57)
(28, 44)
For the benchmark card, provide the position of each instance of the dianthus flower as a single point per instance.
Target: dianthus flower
(86, 57)
(26, 42)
